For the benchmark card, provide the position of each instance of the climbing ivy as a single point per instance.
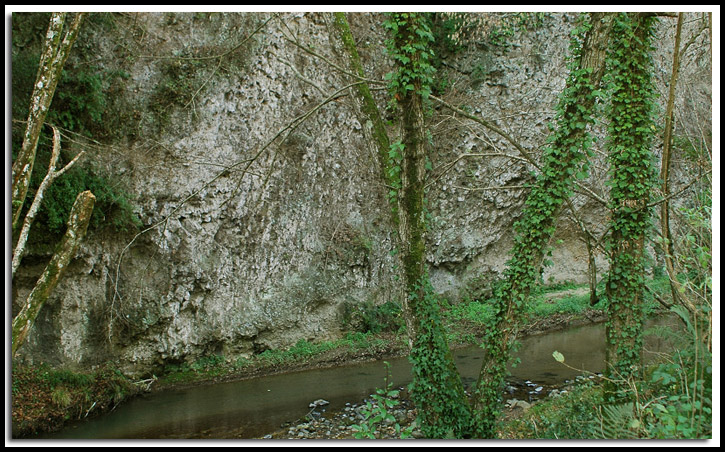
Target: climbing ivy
(564, 160)
(436, 388)
(413, 53)
(410, 46)
(395, 160)
(631, 129)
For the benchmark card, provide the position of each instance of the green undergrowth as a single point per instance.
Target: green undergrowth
(569, 416)
(213, 366)
(466, 319)
(44, 398)
(672, 399)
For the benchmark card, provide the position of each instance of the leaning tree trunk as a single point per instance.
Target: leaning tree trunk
(55, 52)
(631, 131)
(373, 124)
(562, 162)
(50, 176)
(52, 59)
(374, 130)
(80, 216)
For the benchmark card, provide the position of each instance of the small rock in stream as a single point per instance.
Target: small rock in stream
(319, 402)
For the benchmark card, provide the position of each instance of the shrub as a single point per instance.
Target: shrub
(79, 106)
(370, 318)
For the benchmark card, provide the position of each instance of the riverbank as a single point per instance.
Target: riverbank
(354, 348)
(45, 399)
(552, 309)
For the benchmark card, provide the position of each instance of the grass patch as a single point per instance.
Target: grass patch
(465, 320)
(44, 398)
(303, 351)
(543, 304)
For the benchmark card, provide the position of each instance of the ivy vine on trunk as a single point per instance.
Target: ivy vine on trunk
(437, 389)
(564, 160)
(631, 131)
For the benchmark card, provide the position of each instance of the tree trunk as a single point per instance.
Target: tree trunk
(630, 136)
(371, 119)
(50, 176)
(437, 389)
(80, 216)
(667, 244)
(562, 161)
(52, 59)
(592, 270)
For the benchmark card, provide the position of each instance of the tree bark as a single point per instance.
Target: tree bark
(55, 52)
(371, 119)
(437, 389)
(667, 243)
(50, 176)
(80, 216)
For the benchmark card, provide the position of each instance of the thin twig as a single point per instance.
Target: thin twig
(212, 57)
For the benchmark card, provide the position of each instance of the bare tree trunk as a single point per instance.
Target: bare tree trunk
(667, 245)
(369, 109)
(50, 176)
(80, 216)
(592, 270)
(55, 52)
(374, 131)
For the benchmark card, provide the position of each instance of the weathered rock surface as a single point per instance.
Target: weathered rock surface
(257, 234)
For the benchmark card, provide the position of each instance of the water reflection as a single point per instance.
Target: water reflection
(251, 408)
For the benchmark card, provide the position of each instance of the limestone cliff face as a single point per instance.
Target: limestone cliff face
(262, 206)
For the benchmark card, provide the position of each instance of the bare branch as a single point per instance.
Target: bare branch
(50, 176)
(55, 52)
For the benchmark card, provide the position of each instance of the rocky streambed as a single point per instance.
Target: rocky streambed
(319, 423)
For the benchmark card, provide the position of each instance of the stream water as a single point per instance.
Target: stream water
(252, 408)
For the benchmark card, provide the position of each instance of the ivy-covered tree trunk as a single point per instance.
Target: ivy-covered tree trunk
(80, 216)
(437, 388)
(563, 161)
(631, 131)
(52, 59)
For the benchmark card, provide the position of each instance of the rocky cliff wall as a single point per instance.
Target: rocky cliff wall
(263, 214)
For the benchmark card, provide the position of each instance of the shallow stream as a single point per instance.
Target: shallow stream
(255, 407)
